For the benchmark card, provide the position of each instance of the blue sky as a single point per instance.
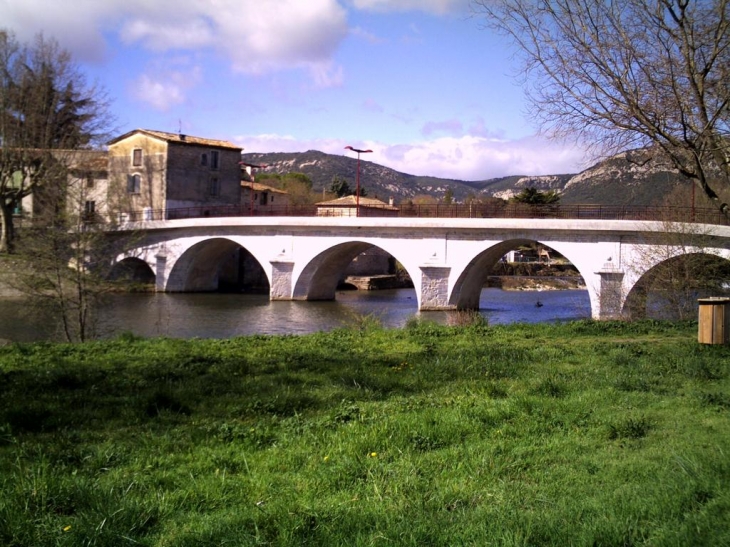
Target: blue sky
(420, 82)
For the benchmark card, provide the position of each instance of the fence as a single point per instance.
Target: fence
(508, 210)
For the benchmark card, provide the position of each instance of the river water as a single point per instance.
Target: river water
(214, 315)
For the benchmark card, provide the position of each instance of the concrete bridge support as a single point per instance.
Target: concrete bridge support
(611, 294)
(281, 279)
(435, 288)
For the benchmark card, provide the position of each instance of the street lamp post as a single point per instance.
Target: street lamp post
(357, 177)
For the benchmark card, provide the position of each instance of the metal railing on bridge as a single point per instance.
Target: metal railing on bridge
(477, 210)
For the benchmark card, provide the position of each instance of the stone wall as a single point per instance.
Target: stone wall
(152, 173)
(190, 178)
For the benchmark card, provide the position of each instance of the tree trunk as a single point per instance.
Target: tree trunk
(6, 227)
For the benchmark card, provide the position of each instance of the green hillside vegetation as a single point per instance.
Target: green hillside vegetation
(615, 181)
(380, 182)
(576, 434)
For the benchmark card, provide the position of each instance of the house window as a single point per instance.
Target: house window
(133, 184)
(214, 186)
(264, 195)
(89, 180)
(204, 159)
(89, 210)
(214, 159)
(137, 157)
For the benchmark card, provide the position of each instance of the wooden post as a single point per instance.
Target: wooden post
(714, 321)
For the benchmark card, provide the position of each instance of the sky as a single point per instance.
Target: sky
(420, 82)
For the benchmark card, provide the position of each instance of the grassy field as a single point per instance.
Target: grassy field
(595, 434)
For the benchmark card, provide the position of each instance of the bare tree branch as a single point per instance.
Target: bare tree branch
(629, 73)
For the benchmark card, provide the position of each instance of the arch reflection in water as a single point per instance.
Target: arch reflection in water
(226, 315)
(215, 315)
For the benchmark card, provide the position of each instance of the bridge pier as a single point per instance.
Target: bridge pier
(281, 279)
(611, 295)
(161, 270)
(435, 288)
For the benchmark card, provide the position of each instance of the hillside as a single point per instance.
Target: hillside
(379, 181)
(619, 180)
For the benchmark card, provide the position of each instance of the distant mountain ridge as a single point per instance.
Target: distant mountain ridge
(619, 180)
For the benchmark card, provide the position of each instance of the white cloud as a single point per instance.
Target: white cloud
(431, 6)
(256, 35)
(368, 36)
(451, 127)
(464, 158)
(165, 88)
(170, 34)
(326, 74)
(157, 93)
(74, 25)
(477, 158)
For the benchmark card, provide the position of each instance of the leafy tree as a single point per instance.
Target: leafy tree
(298, 186)
(533, 196)
(629, 74)
(423, 199)
(340, 187)
(448, 196)
(47, 112)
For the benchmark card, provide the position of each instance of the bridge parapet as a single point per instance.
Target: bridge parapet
(506, 210)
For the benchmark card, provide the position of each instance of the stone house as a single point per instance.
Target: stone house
(156, 172)
(85, 191)
(261, 199)
(347, 207)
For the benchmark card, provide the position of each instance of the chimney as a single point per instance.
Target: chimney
(390, 201)
(182, 137)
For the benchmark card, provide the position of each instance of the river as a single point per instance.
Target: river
(213, 315)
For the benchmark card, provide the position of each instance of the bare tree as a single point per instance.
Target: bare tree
(65, 259)
(629, 74)
(47, 111)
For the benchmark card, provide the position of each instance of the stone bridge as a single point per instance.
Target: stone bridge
(448, 259)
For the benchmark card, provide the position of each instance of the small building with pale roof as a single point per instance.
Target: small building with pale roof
(261, 199)
(347, 207)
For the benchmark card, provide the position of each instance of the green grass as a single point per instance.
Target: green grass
(595, 434)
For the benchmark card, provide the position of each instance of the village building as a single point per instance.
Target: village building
(261, 199)
(347, 206)
(155, 171)
(87, 177)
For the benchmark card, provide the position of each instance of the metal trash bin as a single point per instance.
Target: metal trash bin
(714, 320)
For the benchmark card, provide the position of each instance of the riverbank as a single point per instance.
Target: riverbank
(575, 434)
(536, 283)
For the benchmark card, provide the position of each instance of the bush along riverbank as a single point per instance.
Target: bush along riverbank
(575, 434)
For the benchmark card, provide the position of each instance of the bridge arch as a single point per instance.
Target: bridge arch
(320, 276)
(675, 282)
(468, 285)
(132, 269)
(210, 265)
